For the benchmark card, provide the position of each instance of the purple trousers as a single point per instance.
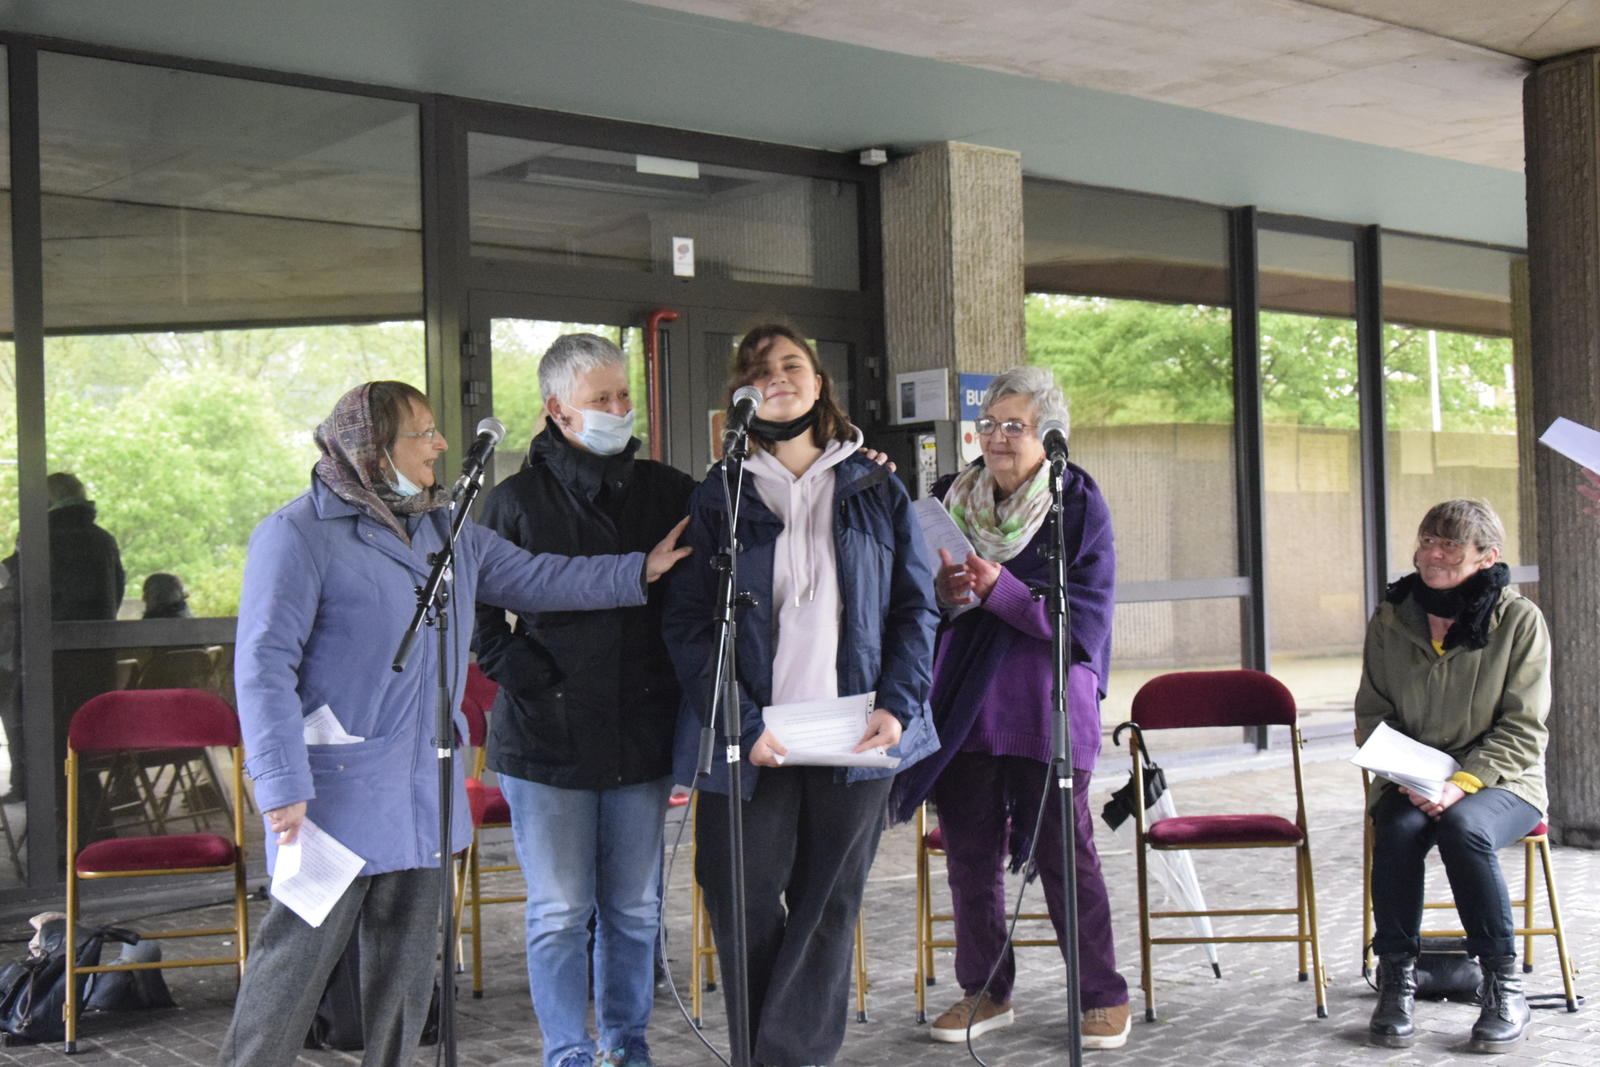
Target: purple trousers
(971, 795)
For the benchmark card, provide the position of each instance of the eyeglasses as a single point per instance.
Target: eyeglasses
(431, 434)
(1011, 427)
(1428, 542)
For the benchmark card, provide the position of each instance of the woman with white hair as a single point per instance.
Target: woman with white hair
(581, 733)
(992, 706)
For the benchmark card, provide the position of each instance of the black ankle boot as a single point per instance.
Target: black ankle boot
(1391, 1024)
(1504, 1015)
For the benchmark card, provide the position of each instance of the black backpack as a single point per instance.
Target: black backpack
(33, 991)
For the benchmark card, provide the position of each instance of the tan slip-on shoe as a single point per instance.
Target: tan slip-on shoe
(1107, 1027)
(952, 1025)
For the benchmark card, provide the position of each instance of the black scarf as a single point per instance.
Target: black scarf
(1468, 604)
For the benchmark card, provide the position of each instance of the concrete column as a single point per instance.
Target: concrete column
(952, 260)
(1561, 120)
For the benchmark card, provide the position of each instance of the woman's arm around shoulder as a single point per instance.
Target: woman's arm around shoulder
(522, 581)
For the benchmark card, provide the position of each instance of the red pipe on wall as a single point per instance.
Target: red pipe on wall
(652, 366)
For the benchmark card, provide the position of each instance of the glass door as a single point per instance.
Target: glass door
(1312, 463)
(508, 336)
(679, 362)
(713, 338)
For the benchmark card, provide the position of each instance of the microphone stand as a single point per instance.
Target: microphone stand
(725, 695)
(432, 598)
(1061, 751)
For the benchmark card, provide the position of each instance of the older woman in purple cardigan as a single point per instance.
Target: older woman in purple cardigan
(992, 707)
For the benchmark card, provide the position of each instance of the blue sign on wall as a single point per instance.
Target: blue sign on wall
(972, 388)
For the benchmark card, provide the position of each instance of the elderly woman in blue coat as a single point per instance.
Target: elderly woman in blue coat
(329, 586)
(842, 605)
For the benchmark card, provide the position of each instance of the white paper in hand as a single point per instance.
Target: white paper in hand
(1421, 768)
(1575, 441)
(823, 732)
(939, 530)
(311, 875)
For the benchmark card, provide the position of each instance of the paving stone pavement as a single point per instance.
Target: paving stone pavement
(1257, 1013)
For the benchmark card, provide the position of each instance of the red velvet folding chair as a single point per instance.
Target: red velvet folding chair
(489, 811)
(131, 721)
(1190, 699)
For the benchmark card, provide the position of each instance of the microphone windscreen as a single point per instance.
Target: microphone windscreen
(493, 427)
(746, 394)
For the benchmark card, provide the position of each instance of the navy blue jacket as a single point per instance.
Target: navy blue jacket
(886, 628)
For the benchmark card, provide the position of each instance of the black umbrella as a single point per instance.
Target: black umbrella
(1119, 809)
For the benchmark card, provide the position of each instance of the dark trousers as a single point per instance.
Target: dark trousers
(808, 844)
(1469, 834)
(972, 795)
(289, 964)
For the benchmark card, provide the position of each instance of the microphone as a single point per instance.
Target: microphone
(490, 432)
(1053, 435)
(746, 399)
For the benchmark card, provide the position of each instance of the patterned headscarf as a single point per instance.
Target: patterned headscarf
(352, 465)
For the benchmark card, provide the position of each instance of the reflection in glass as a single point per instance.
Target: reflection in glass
(187, 440)
(1449, 393)
(177, 198)
(595, 209)
(223, 259)
(158, 791)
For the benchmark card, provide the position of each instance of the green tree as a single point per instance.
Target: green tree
(188, 440)
(1126, 361)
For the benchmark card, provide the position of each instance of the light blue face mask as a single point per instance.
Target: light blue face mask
(400, 483)
(603, 433)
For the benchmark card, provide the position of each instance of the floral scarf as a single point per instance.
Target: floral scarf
(352, 466)
(998, 531)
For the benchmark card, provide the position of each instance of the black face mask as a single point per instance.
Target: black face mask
(772, 432)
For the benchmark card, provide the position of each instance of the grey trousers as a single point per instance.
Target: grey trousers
(290, 961)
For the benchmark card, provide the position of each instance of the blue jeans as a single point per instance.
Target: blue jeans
(589, 852)
(1469, 835)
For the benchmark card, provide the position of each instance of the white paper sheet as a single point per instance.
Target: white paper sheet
(939, 530)
(311, 875)
(322, 728)
(1575, 441)
(823, 732)
(1421, 768)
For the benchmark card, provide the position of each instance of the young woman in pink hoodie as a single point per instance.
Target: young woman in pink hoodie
(842, 605)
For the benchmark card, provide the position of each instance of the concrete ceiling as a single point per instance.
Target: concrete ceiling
(1439, 77)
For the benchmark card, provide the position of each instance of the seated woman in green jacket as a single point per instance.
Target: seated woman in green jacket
(1458, 661)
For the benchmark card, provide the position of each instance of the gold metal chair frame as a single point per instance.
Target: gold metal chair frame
(240, 930)
(1532, 845)
(926, 917)
(1305, 908)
